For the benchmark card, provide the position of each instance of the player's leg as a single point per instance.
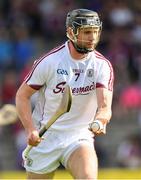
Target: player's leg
(31, 175)
(83, 163)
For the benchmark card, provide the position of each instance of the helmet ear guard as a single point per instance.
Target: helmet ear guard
(81, 18)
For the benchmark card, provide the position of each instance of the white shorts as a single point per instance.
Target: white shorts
(56, 149)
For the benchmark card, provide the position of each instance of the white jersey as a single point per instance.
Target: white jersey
(52, 72)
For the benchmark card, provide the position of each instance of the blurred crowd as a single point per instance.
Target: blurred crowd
(30, 28)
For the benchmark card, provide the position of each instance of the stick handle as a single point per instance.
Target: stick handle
(27, 150)
(42, 131)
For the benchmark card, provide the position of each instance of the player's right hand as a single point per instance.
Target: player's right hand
(33, 138)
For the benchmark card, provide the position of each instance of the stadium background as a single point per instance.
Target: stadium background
(29, 29)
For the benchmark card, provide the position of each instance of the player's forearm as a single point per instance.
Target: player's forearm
(104, 101)
(102, 117)
(23, 106)
(104, 114)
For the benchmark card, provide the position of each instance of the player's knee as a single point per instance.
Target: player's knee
(88, 173)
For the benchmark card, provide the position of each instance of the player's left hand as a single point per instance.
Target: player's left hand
(98, 127)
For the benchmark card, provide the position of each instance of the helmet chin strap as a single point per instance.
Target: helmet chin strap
(78, 48)
(81, 50)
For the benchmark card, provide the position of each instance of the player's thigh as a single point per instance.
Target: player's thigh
(31, 175)
(83, 163)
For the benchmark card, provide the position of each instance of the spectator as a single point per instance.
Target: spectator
(129, 152)
(9, 87)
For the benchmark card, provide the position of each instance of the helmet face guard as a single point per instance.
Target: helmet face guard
(82, 18)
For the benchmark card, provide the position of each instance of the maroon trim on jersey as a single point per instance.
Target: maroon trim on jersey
(43, 109)
(27, 78)
(36, 87)
(99, 85)
(111, 80)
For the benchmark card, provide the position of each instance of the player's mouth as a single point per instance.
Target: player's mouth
(90, 45)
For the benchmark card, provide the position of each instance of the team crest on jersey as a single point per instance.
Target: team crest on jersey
(90, 72)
